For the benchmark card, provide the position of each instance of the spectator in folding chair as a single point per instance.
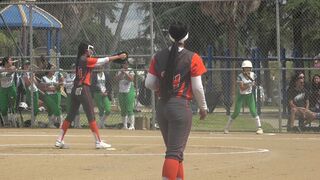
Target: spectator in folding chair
(51, 84)
(316, 61)
(307, 116)
(314, 89)
(298, 99)
(8, 92)
(101, 95)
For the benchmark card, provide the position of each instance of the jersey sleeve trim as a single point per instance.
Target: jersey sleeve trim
(91, 62)
(197, 66)
(152, 69)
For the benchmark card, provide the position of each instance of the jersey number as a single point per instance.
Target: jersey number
(176, 81)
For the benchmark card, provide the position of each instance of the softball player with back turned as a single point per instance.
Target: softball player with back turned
(81, 94)
(176, 73)
(245, 80)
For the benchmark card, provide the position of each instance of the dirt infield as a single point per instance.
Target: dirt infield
(138, 155)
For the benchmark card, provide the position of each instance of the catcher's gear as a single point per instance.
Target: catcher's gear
(246, 63)
(122, 61)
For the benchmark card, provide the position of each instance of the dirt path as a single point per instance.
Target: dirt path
(29, 154)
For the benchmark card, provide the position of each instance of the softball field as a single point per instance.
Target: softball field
(138, 155)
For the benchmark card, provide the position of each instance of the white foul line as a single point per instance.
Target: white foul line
(247, 151)
(241, 150)
(133, 154)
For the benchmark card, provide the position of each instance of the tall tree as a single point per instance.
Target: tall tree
(75, 18)
(121, 22)
(231, 15)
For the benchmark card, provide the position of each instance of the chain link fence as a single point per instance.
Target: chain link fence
(224, 33)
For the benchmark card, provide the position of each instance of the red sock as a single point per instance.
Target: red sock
(180, 171)
(95, 130)
(170, 169)
(64, 128)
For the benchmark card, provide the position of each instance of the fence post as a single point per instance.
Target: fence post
(153, 97)
(283, 90)
(226, 84)
(209, 66)
(58, 41)
(49, 43)
(32, 62)
(296, 53)
(256, 55)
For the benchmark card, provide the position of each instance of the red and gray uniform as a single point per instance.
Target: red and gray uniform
(175, 115)
(84, 68)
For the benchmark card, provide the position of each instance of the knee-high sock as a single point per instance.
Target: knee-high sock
(125, 121)
(95, 130)
(258, 121)
(77, 121)
(5, 120)
(180, 175)
(60, 119)
(101, 121)
(230, 120)
(64, 128)
(170, 169)
(131, 120)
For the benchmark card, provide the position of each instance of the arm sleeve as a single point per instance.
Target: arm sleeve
(152, 82)
(198, 92)
(94, 62)
(102, 61)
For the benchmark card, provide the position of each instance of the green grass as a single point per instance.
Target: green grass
(214, 122)
(217, 122)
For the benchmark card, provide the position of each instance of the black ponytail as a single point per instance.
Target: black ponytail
(82, 48)
(177, 31)
(166, 88)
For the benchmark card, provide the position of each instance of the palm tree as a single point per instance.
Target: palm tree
(121, 21)
(231, 15)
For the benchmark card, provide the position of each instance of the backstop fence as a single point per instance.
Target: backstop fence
(280, 37)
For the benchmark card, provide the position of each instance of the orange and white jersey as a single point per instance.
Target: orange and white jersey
(189, 64)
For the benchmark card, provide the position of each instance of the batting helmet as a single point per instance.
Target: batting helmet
(23, 105)
(246, 63)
